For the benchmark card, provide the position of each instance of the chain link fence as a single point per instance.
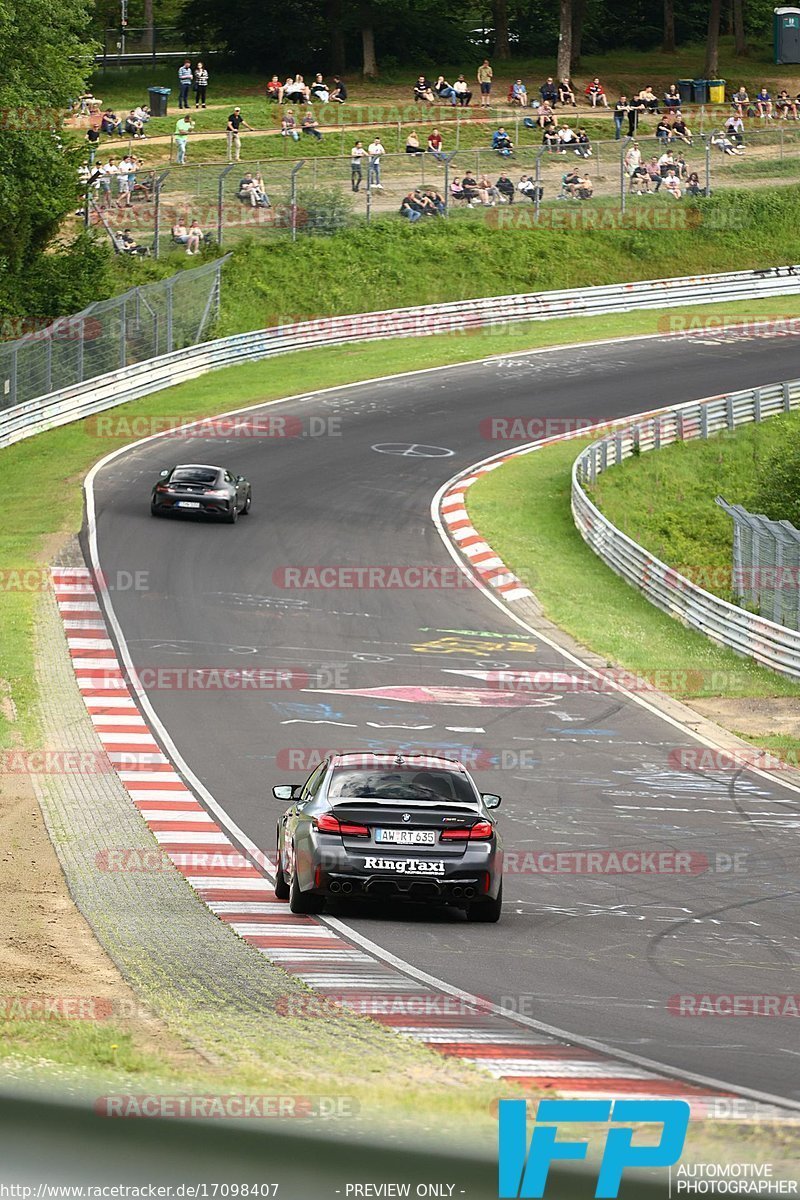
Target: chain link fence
(111, 334)
(766, 565)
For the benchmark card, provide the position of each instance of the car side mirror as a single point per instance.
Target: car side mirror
(163, 474)
(490, 800)
(287, 791)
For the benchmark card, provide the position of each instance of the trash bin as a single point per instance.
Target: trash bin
(685, 90)
(158, 100)
(716, 91)
(700, 91)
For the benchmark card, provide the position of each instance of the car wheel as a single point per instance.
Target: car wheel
(247, 504)
(154, 511)
(302, 903)
(486, 912)
(233, 515)
(281, 886)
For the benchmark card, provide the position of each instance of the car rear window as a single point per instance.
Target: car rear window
(194, 475)
(401, 783)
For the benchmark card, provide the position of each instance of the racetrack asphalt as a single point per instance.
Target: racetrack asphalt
(597, 955)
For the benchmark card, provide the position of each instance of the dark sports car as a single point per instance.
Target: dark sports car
(201, 490)
(373, 826)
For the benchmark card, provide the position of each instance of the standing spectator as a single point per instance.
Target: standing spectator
(183, 128)
(275, 90)
(356, 155)
(195, 239)
(375, 150)
(310, 125)
(620, 113)
(106, 182)
(200, 85)
(339, 93)
(445, 92)
(506, 188)
(289, 125)
(566, 93)
(596, 93)
(764, 104)
(484, 77)
(92, 141)
(320, 90)
(632, 160)
(549, 91)
(462, 91)
(235, 123)
(635, 110)
(185, 76)
(435, 145)
(126, 174)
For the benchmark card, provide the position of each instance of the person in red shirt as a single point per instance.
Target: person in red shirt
(435, 145)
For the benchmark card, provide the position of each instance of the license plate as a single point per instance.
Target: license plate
(188, 504)
(406, 837)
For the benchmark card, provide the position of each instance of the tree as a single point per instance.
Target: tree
(502, 48)
(564, 38)
(578, 13)
(668, 40)
(740, 40)
(711, 68)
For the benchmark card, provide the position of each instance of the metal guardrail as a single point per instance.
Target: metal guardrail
(746, 633)
(140, 379)
(766, 564)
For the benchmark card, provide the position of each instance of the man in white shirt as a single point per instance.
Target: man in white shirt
(375, 150)
(127, 168)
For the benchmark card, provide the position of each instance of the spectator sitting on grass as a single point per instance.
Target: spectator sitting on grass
(764, 104)
(596, 94)
(506, 189)
(725, 144)
(339, 93)
(649, 99)
(412, 143)
(550, 140)
(549, 91)
(289, 125)
(640, 180)
(426, 205)
(469, 186)
(435, 145)
(320, 90)
(672, 97)
(110, 123)
(462, 91)
(409, 208)
(566, 93)
(456, 190)
(566, 138)
(734, 128)
(666, 162)
(310, 125)
(142, 113)
(570, 182)
(672, 184)
(584, 147)
(487, 191)
(680, 129)
(180, 233)
(518, 94)
(585, 188)
(445, 91)
(654, 171)
(501, 142)
(251, 191)
(128, 244)
(423, 91)
(275, 90)
(784, 104)
(740, 101)
(133, 126)
(527, 187)
(437, 200)
(664, 130)
(694, 186)
(295, 90)
(546, 116)
(196, 236)
(681, 170)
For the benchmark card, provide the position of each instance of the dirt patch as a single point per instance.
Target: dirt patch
(773, 716)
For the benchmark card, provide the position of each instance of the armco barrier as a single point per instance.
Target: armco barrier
(129, 383)
(748, 634)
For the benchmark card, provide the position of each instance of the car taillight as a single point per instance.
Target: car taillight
(162, 487)
(330, 824)
(218, 495)
(480, 832)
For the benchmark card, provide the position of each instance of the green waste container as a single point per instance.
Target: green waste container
(158, 100)
(685, 90)
(700, 91)
(716, 91)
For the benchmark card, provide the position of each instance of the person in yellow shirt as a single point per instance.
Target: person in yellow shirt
(485, 75)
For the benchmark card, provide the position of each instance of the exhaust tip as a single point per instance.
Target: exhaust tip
(335, 886)
(469, 892)
(457, 891)
(347, 888)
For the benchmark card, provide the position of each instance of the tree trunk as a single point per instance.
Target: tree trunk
(149, 32)
(578, 12)
(711, 68)
(336, 33)
(740, 41)
(564, 38)
(668, 41)
(369, 68)
(500, 17)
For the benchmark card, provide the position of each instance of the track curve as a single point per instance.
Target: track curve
(595, 955)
